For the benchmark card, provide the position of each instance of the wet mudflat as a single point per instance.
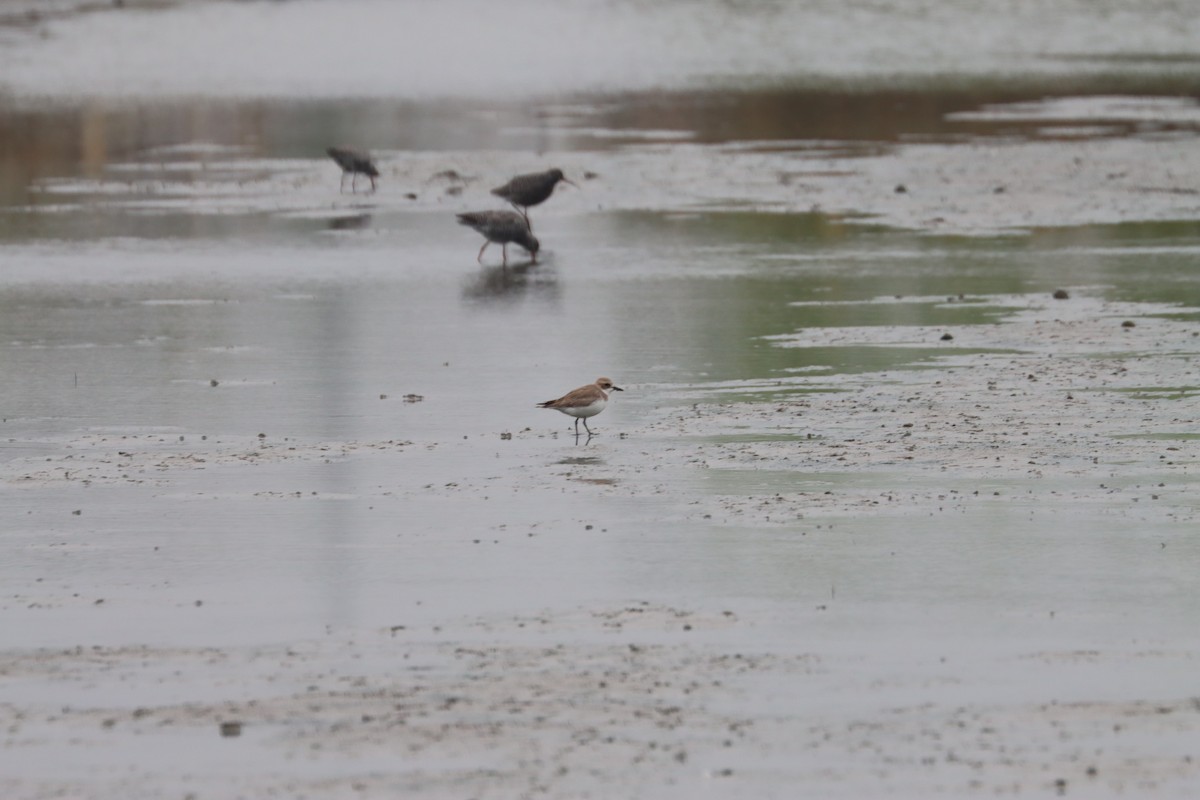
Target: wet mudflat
(877, 514)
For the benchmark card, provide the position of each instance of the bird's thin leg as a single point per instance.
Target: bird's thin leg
(504, 253)
(586, 428)
(342, 184)
(354, 182)
(479, 258)
(524, 215)
(372, 184)
(577, 425)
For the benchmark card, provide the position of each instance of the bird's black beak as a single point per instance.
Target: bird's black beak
(617, 389)
(573, 183)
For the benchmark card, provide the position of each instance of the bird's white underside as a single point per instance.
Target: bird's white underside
(590, 410)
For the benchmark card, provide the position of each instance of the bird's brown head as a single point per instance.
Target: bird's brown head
(557, 174)
(607, 385)
(531, 244)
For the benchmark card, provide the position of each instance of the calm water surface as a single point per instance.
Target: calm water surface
(316, 336)
(116, 319)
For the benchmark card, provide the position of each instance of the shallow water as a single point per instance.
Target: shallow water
(186, 272)
(315, 338)
(472, 48)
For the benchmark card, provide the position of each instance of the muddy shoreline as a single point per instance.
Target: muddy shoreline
(1060, 412)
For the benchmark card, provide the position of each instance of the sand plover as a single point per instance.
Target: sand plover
(586, 401)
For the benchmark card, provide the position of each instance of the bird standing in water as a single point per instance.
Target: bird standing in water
(355, 163)
(501, 227)
(528, 190)
(586, 401)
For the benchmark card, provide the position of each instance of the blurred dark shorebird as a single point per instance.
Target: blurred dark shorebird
(355, 163)
(501, 227)
(524, 191)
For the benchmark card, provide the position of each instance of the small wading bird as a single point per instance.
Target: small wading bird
(586, 401)
(355, 163)
(524, 191)
(501, 227)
